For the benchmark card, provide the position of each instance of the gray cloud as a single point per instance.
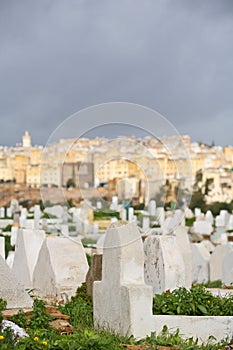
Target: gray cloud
(57, 57)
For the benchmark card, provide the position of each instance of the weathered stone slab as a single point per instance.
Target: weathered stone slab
(11, 289)
(164, 264)
(200, 263)
(216, 261)
(94, 273)
(65, 263)
(184, 245)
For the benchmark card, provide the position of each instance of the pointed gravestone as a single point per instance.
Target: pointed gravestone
(122, 301)
(65, 263)
(200, 263)
(184, 245)
(164, 264)
(27, 249)
(11, 290)
(216, 261)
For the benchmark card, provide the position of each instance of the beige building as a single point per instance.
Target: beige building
(33, 176)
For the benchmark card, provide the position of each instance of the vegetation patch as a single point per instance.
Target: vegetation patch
(194, 302)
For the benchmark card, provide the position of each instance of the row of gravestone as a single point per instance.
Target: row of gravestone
(52, 266)
(171, 261)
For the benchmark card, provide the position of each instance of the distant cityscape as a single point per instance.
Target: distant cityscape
(95, 163)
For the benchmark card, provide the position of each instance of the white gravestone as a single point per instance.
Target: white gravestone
(209, 217)
(216, 261)
(11, 289)
(9, 212)
(164, 264)
(184, 245)
(14, 234)
(227, 270)
(200, 263)
(202, 227)
(2, 213)
(122, 301)
(65, 263)
(160, 214)
(27, 249)
(152, 208)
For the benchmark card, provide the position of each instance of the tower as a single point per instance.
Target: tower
(26, 140)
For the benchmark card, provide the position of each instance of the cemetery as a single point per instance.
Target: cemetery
(143, 283)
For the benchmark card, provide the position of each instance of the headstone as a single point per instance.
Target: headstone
(224, 238)
(114, 203)
(200, 263)
(94, 273)
(145, 223)
(203, 227)
(100, 244)
(209, 217)
(65, 263)
(9, 212)
(11, 289)
(122, 302)
(56, 210)
(14, 234)
(24, 213)
(27, 248)
(160, 215)
(98, 205)
(188, 213)
(123, 214)
(2, 247)
(22, 222)
(230, 223)
(227, 270)
(184, 245)
(216, 261)
(197, 212)
(14, 206)
(164, 264)
(37, 212)
(152, 208)
(220, 221)
(16, 219)
(225, 215)
(2, 212)
(131, 214)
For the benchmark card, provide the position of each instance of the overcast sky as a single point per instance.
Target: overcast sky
(59, 56)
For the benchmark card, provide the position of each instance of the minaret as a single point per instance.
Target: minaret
(26, 140)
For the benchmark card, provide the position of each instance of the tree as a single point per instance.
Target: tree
(70, 183)
(198, 201)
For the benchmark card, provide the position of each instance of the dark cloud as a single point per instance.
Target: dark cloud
(57, 57)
